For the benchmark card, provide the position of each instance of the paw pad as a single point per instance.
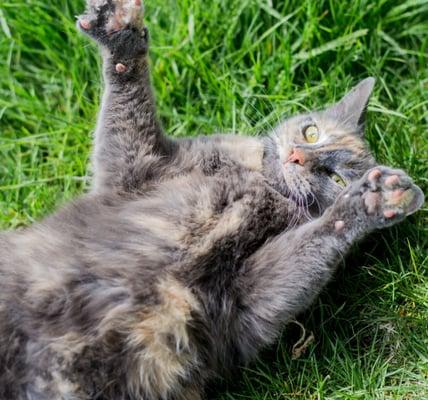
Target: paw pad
(374, 175)
(371, 201)
(85, 24)
(120, 68)
(392, 180)
(339, 225)
(390, 214)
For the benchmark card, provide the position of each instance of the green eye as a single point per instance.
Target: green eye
(336, 178)
(311, 134)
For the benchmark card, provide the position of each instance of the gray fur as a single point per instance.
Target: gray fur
(187, 256)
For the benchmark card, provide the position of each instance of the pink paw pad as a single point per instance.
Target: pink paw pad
(374, 175)
(397, 194)
(339, 225)
(371, 201)
(392, 180)
(120, 68)
(85, 24)
(389, 214)
(395, 197)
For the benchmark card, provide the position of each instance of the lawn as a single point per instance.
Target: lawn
(239, 66)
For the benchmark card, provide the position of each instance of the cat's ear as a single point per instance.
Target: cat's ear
(351, 110)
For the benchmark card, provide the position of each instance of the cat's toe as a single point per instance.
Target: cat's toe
(371, 201)
(404, 201)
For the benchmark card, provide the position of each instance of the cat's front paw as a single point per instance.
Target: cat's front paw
(117, 25)
(110, 16)
(381, 198)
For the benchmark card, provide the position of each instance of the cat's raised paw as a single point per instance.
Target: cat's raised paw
(116, 24)
(392, 193)
(383, 197)
(110, 15)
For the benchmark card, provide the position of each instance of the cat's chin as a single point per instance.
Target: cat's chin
(298, 187)
(306, 201)
(290, 187)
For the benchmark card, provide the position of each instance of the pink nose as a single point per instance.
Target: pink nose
(297, 157)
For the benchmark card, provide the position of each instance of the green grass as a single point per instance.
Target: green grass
(239, 65)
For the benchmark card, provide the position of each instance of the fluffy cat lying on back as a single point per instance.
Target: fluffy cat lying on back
(188, 255)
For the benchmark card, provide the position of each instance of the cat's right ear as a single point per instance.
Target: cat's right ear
(351, 109)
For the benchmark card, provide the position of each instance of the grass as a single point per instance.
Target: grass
(239, 65)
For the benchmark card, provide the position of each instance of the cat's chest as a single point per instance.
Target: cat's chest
(227, 212)
(241, 212)
(211, 154)
(236, 219)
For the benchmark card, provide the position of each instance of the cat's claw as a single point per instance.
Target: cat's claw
(383, 197)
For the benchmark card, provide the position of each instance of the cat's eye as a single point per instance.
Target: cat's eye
(311, 134)
(338, 180)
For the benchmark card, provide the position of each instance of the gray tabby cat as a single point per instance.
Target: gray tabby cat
(189, 255)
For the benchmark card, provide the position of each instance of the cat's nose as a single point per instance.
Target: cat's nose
(297, 156)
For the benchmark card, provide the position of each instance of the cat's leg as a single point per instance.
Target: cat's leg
(129, 139)
(284, 277)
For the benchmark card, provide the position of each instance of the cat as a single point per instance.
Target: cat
(189, 255)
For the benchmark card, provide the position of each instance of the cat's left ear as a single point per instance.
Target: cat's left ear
(351, 110)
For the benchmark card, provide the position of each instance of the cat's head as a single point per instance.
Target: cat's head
(318, 153)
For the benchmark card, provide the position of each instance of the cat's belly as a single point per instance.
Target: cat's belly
(100, 265)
